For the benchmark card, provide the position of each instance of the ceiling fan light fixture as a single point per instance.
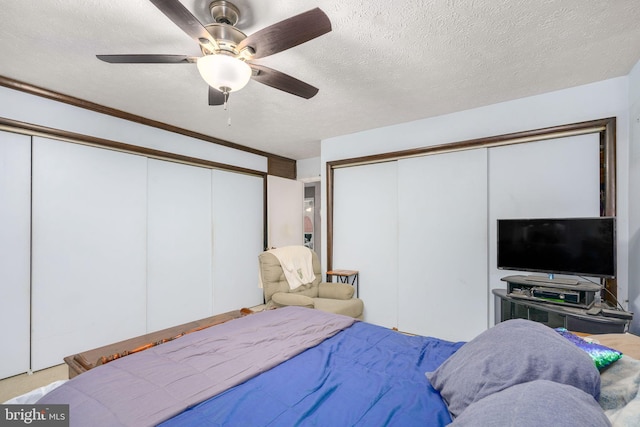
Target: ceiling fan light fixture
(224, 71)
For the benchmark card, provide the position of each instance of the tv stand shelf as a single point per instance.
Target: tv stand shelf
(560, 291)
(555, 315)
(553, 283)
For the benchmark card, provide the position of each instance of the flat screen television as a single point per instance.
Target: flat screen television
(575, 246)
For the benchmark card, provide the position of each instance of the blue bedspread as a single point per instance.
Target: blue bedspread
(366, 375)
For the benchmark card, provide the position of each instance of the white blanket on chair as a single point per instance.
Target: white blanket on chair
(297, 264)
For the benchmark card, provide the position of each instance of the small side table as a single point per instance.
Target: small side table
(344, 276)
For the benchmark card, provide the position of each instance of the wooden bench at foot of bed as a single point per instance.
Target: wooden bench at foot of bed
(82, 362)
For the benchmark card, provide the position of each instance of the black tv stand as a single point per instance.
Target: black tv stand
(567, 292)
(575, 319)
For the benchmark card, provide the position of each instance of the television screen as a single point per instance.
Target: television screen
(576, 246)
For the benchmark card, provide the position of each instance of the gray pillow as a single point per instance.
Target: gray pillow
(534, 404)
(510, 353)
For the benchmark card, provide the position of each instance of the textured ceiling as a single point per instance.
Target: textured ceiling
(384, 62)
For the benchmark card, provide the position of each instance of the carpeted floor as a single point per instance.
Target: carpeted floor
(24, 383)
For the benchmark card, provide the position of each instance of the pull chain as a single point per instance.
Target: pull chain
(227, 108)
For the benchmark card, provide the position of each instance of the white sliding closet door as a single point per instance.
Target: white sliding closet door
(238, 239)
(179, 288)
(365, 226)
(15, 235)
(442, 241)
(89, 249)
(546, 179)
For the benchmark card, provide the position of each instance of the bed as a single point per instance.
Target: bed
(299, 366)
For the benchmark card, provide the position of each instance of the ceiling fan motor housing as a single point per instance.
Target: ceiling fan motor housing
(225, 16)
(228, 37)
(224, 12)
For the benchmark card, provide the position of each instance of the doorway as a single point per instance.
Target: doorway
(312, 221)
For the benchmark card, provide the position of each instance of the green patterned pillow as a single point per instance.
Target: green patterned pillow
(602, 356)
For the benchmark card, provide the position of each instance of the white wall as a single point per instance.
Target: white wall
(285, 204)
(594, 101)
(308, 170)
(33, 109)
(633, 192)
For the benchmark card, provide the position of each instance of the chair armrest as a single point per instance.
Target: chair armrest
(335, 290)
(284, 299)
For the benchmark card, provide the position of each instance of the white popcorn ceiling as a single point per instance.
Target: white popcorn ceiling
(385, 62)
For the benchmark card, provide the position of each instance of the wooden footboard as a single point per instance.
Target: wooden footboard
(82, 362)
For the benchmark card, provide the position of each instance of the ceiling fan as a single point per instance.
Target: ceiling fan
(227, 62)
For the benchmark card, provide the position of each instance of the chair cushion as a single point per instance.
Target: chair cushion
(335, 290)
(349, 307)
(283, 299)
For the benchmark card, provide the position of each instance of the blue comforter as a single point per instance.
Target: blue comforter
(365, 375)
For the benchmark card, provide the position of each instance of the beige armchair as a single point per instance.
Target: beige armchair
(332, 297)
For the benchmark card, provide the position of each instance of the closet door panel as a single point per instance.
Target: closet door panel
(546, 179)
(365, 224)
(179, 284)
(238, 239)
(15, 235)
(442, 245)
(89, 249)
